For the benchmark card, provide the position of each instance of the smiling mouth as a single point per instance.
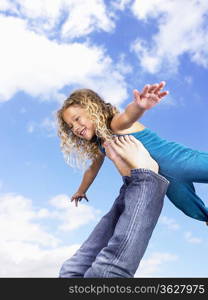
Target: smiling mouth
(83, 132)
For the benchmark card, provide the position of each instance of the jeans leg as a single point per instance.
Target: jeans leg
(143, 203)
(83, 258)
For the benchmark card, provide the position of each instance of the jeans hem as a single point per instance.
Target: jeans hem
(142, 171)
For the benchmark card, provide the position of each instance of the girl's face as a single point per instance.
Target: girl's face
(80, 124)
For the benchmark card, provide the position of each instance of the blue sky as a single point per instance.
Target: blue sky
(50, 48)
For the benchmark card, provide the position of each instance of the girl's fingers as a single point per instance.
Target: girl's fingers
(153, 88)
(136, 93)
(145, 90)
(86, 198)
(162, 94)
(78, 199)
(160, 86)
(157, 87)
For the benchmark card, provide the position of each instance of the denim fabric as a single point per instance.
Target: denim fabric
(118, 242)
(181, 166)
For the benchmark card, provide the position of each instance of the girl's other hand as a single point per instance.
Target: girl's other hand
(150, 95)
(78, 197)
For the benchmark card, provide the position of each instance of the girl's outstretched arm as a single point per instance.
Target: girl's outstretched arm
(149, 97)
(90, 174)
(87, 180)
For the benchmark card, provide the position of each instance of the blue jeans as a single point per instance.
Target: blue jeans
(118, 242)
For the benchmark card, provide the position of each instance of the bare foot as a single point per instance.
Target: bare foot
(120, 164)
(132, 152)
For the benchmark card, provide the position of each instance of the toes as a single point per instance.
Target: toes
(122, 139)
(129, 139)
(118, 141)
(133, 139)
(112, 144)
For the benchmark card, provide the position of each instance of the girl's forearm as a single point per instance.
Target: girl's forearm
(87, 180)
(133, 112)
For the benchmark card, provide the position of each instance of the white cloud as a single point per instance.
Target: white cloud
(150, 266)
(16, 222)
(26, 248)
(22, 259)
(41, 67)
(121, 4)
(5, 5)
(50, 126)
(123, 65)
(47, 124)
(72, 217)
(170, 223)
(191, 239)
(69, 18)
(85, 17)
(181, 29)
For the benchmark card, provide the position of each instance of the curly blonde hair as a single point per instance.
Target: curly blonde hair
(77, 151)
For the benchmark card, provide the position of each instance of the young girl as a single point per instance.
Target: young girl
(86, 121)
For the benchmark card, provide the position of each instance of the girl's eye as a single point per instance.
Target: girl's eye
(72, 125)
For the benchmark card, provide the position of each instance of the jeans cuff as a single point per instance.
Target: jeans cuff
(138, 173)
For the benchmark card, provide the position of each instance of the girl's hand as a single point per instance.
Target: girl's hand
(78, 197)
(150, 95)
